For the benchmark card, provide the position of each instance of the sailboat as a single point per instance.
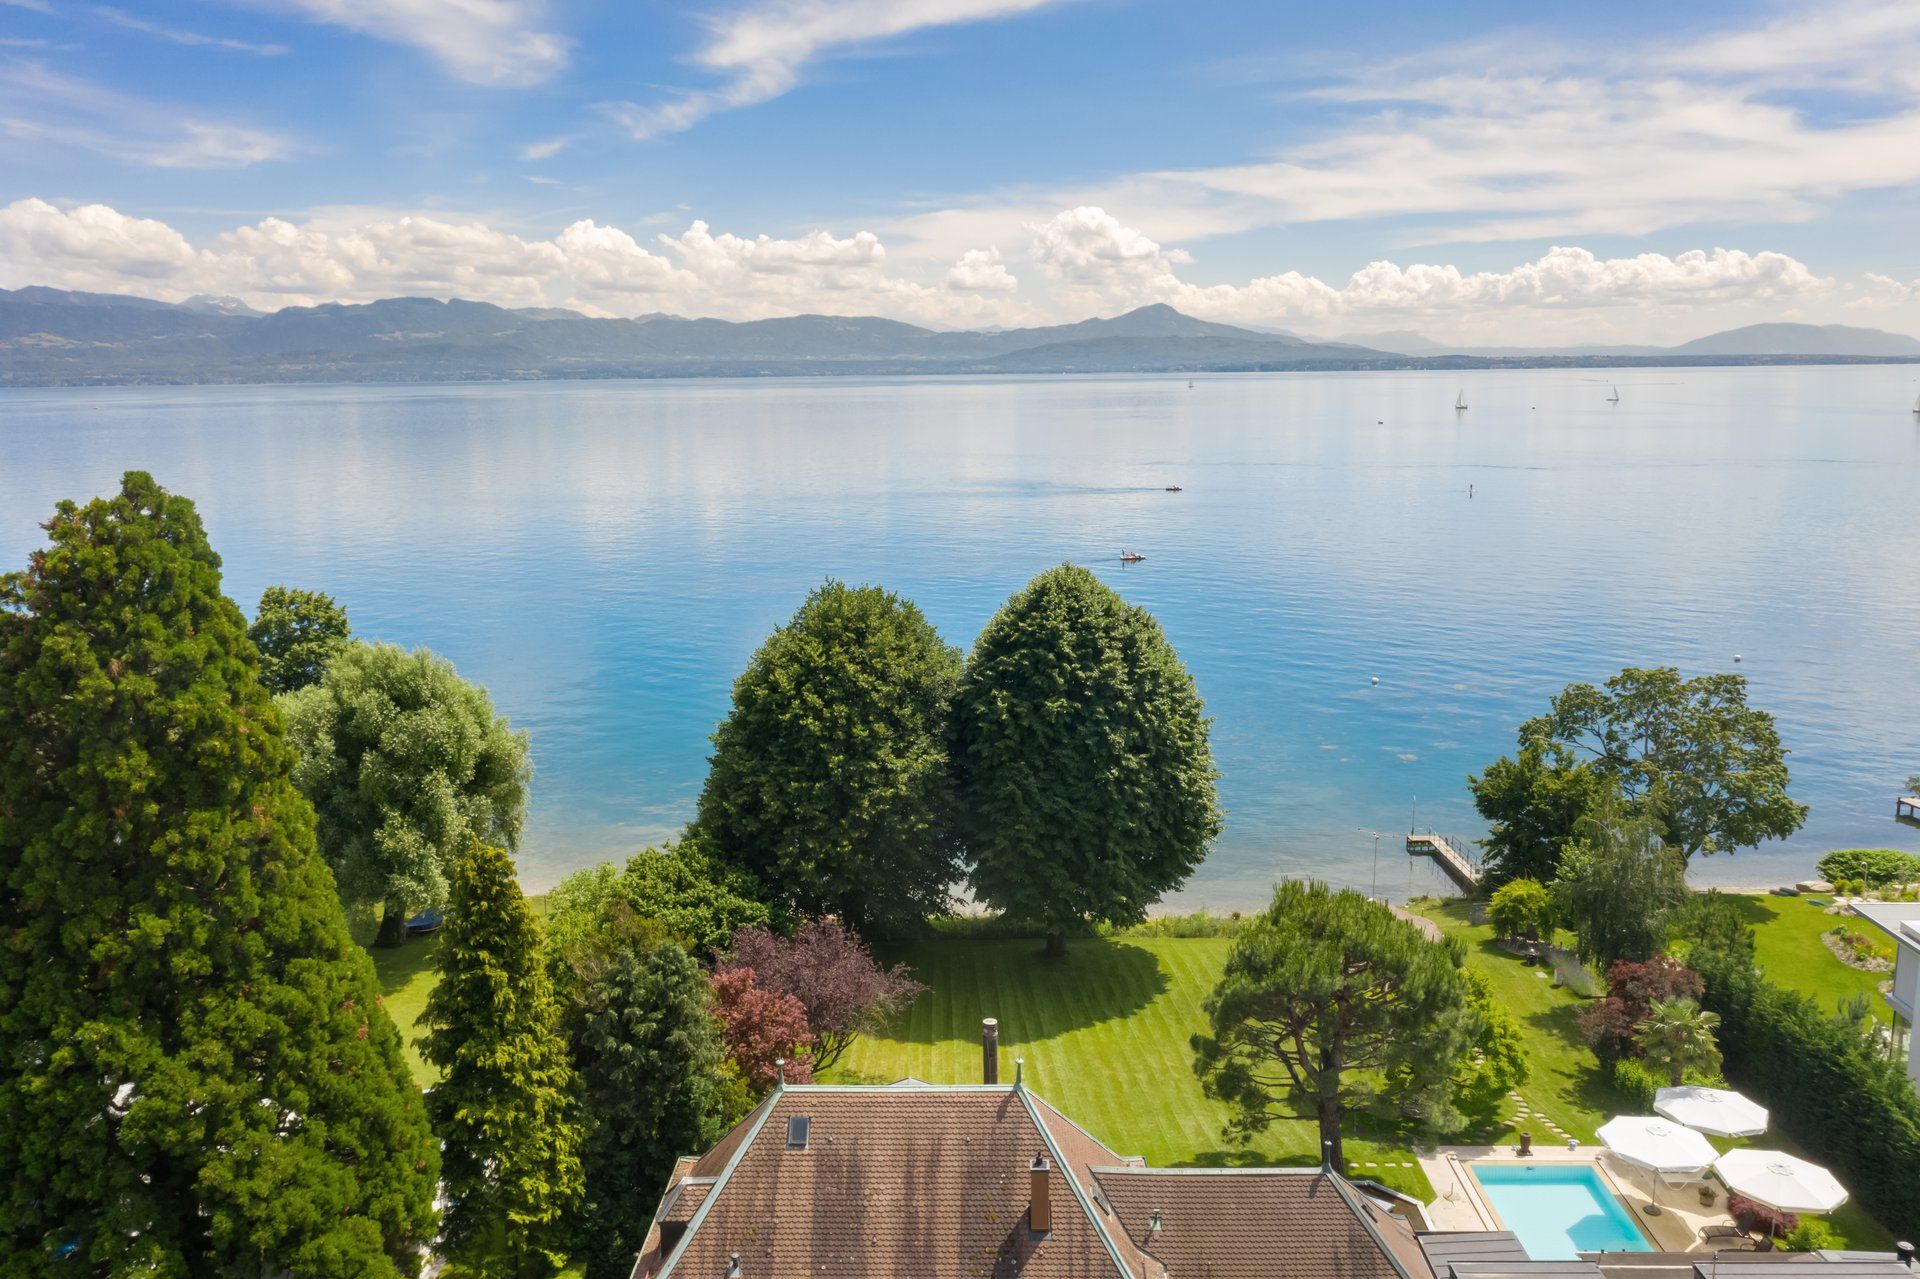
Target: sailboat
(1460, 401)
(1916, 406)
(1615, 397)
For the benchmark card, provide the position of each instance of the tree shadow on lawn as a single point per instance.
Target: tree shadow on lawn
(1034, 999)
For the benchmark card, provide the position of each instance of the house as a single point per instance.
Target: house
(988, 1181)
(1900, 921)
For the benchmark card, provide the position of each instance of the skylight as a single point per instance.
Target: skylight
(797, 1128)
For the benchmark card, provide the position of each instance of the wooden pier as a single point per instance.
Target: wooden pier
(1461, 871)
(1907, 809)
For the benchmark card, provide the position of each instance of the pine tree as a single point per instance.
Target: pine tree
(504, 1103)
(650, 1058)
(198, 1076)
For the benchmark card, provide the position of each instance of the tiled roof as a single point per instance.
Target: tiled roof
(930, 1183)
(1265, 1223)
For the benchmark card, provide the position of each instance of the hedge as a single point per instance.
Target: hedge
(1824, 1080)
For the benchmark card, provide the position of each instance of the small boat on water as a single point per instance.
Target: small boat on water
(1615, 397)
(1189, 384)
(1916, 406)
(1131, 557)
(1175, 488)
(1460, 401)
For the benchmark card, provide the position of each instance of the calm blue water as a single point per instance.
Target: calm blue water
(1559, 1212)
(605, 556)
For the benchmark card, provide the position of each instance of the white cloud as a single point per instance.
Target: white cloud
(981, 271)
(180, 35)
(360, 255)
(44, 109)
(763, 50)
(1104, 263)
(495, 42)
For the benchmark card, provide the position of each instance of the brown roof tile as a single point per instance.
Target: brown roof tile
(908, 1182)
(1268, 1223)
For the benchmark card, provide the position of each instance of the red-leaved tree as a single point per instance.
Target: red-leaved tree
(831, 972)
(761, 1028)
(1632, 990)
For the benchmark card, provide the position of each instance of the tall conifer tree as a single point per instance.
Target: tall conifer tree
(197, 1077)
(503, 1106)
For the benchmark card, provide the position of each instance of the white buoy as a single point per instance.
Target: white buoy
(1376, 679)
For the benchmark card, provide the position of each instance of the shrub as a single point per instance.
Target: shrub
(1521, 904)
(831, 972)
(1200, 923)
(1633, 989)
(766, 1033)
(1873, 866)
(1811, 1235)
(1752, 1215)
(1639, 1083)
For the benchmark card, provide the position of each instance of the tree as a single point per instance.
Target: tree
(1520, 904)
(765, 1032)
(1620, 885)
(677, 888)
(831, 972)
(297, 632)
(1875, 867)
(1677, 1036)
(1329, 1004)
(1531, 802)
(1716, 762)
(1633, 988)
(504, 1105)
(829, 780)
(649, 1055)
(1496, 1060)
(198, 1078)
(405, 762)
(1085, 776)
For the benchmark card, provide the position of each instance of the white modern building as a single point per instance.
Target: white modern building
(1901, 921)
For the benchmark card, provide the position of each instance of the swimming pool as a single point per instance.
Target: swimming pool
(1559, 1210)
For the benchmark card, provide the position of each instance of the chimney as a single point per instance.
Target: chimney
(989, 1051)
(1903, 1253)
(1039, 1195)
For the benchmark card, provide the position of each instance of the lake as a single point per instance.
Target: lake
(604, 556)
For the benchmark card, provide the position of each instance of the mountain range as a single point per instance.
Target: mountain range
(53, 337)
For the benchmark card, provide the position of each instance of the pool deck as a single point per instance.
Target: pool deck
(1458, 1203)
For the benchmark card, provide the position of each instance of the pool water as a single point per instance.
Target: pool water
(1559, 1210)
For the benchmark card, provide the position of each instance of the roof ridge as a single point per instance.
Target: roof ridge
(719, 1184)
(1027, 1099)
(1348, 1196)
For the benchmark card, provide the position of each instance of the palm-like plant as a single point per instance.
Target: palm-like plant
(1679, 1034)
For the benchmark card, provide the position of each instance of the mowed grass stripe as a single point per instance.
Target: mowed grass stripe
(1106, 1039)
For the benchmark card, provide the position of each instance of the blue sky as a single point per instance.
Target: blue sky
(1485, 171)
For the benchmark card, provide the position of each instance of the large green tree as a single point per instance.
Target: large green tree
(1329, 1005)
(504, 1104)
(405, 762)
(1085, 776)
(1621, 887)
(198, 1077)
(1531, 801)
(650, 1060)
(1716, 761)
(829, 781)
(297, 633)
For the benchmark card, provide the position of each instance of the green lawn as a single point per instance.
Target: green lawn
(1789, 949)
(1105, 1038)
(406, 975)
(1567, 1084)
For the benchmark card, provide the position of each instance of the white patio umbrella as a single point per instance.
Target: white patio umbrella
(1780, 1180)
(1662, 1147)
(1714, 1110)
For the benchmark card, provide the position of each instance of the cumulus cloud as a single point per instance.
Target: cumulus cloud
(496, 42)
(1092, 263)
(763, 50)
(1102, 260)
(358, 256)
(981, 271)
